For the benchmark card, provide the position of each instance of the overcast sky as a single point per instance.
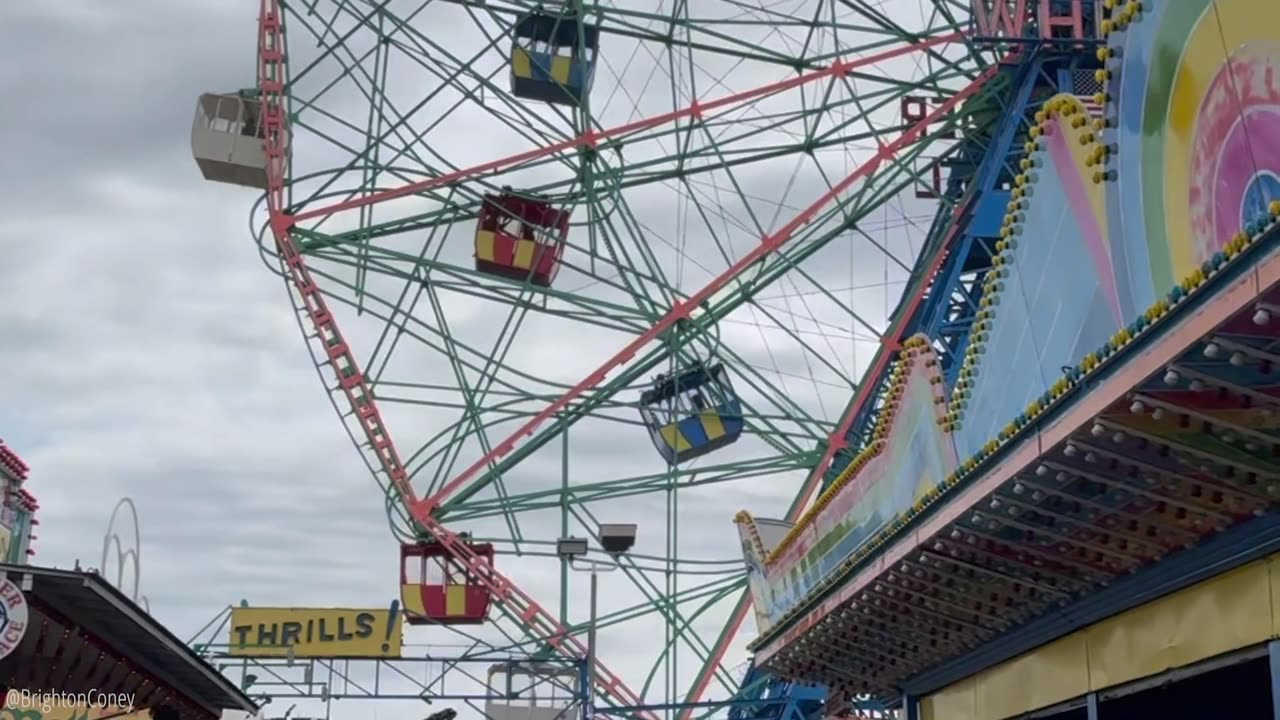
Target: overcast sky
(149, 353)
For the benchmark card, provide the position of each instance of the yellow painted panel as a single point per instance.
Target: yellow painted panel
(956, 702)
(411, 599)
(1232, 611)
(560, 69)
(1226, 613)
(1056, 672)
(484, 245)
(314, 632)
(672, 436)
(521, 65)
(524, 253)
(455, 600)
(711, 424)
(1273, 566)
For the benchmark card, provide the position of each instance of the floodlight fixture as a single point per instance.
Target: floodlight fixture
(571, 547)
(617, 538)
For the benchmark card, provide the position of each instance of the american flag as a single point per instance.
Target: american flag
(1085, 87)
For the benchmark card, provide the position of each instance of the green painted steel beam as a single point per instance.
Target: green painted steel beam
(584, 493)
(614, 240)
(806, 244)
(630, 23)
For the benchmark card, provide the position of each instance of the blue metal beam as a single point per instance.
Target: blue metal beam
(985, 212)
(910, 707)
(1273, 654)
(970, 253)
(762, 695)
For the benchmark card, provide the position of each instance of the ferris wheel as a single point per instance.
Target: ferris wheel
(565, 264)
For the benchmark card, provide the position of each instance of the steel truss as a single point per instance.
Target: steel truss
(337, 237)
(948, 284)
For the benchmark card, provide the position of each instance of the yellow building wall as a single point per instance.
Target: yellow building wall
(1228, 612)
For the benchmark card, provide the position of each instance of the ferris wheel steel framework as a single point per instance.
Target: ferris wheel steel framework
(272, 85)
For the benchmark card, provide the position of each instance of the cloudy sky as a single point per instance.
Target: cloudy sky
(152, 354)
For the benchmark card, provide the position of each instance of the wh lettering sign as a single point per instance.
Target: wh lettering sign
(999, 18)
(1051, 19)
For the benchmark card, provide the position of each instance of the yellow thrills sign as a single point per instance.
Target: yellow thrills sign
(315, 632)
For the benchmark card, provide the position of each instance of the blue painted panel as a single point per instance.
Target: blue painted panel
(1051, 311)
(989, 214)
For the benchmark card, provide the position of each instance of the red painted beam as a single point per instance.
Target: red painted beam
(591, 138)
(272, 69)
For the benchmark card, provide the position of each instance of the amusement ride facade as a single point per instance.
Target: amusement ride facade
(524, 239)
(76, 646)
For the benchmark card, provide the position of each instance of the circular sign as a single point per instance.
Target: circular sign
(13, 617)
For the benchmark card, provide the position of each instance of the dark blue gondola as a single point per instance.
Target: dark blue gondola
(553, 58)
(692, 413)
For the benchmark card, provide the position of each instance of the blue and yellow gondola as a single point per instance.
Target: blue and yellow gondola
(692, 413)
(553, 58)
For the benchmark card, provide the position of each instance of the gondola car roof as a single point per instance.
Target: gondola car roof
(694, 377)
(428, 548)
(559, 30)
(527, 195)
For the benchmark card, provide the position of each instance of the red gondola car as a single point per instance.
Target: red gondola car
(521, 238)
(437, 589)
